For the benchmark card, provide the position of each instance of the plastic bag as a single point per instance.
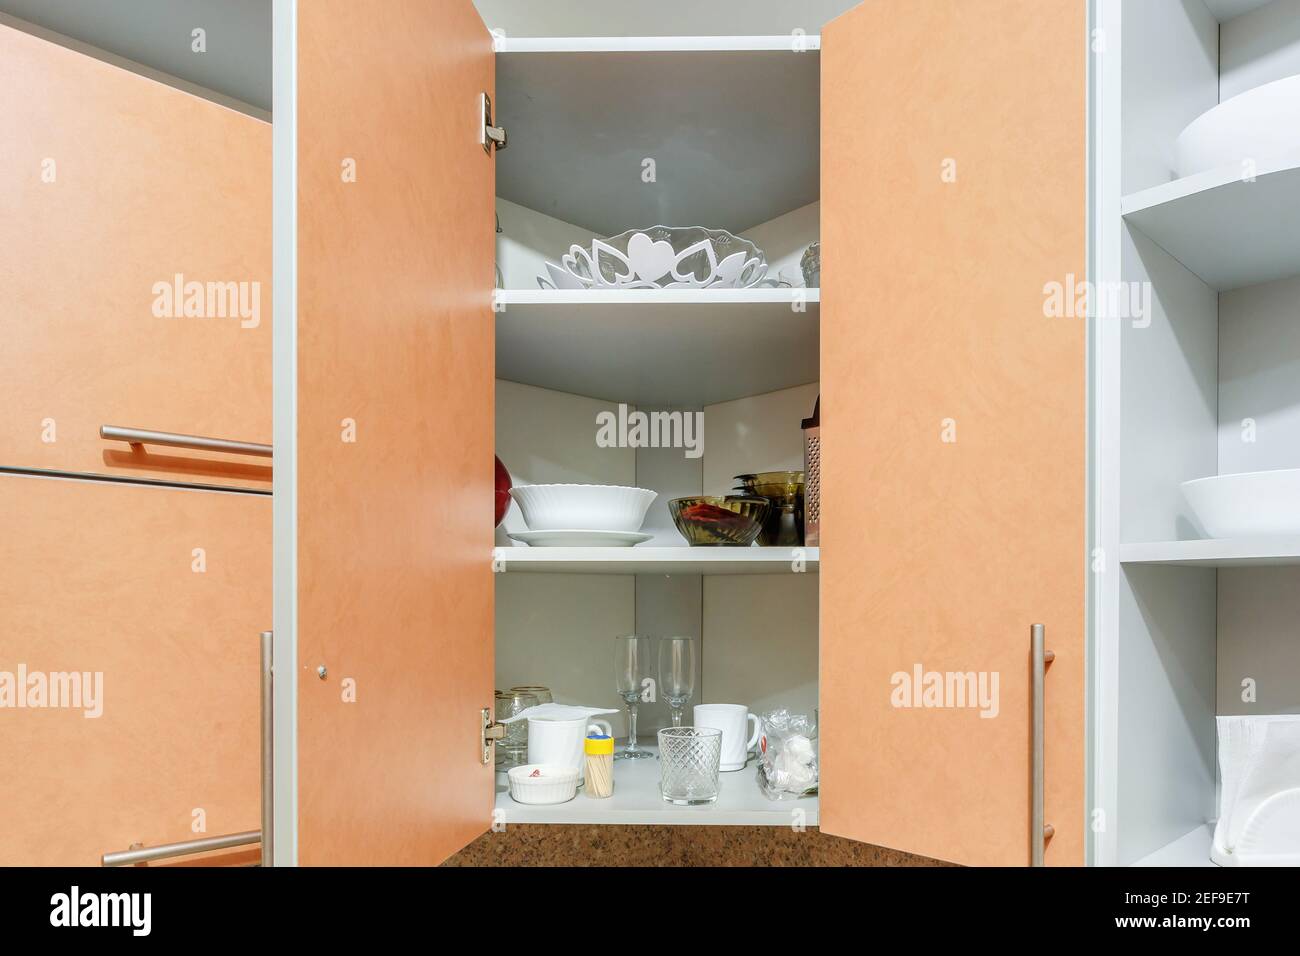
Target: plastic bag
(787, 755)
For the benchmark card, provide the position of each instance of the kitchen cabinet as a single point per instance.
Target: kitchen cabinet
(153, 734)
(142, 297)
(136, 578)
(942, 227)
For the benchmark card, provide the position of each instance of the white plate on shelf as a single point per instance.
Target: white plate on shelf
(580, 539)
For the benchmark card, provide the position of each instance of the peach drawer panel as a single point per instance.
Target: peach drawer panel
(115, 186)
(101, 578)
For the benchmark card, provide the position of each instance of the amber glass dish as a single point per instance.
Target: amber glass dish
(709, 521)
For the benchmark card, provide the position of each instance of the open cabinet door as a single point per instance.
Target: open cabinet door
(388, 499)
(953, 422)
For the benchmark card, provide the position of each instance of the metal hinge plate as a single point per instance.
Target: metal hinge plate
(490, 136)
(492, 732)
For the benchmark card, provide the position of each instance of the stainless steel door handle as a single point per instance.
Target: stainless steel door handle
(1039, 830)
(143, 436)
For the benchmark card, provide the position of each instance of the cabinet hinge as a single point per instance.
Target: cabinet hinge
(490, 136)
(492, 732)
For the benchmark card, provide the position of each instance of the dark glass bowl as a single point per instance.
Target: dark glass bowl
(712, 521)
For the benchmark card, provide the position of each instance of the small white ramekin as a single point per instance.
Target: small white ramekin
(542, 783)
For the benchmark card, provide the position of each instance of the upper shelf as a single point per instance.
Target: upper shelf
(787, 42)
(1215, 552)
(1225, 10)
(1229, 232)
(647, 560)
(659, 347)
(613, 133)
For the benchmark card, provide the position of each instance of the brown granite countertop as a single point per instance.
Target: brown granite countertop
(546, 844)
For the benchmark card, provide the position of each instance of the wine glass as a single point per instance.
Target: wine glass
(632, 663)
(677, 673)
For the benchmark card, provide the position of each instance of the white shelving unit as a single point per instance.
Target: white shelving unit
(646, 560)
(1215, 552)
(636, 800)
(608, 134)
(1229, 231)
(1201, 385)
(669, 347)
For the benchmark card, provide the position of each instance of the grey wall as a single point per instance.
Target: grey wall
(157, 34)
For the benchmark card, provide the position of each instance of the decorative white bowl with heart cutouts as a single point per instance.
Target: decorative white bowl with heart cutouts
(661, 257)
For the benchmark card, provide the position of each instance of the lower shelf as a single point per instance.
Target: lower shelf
(1191, 849)
(1215, 552)
(636, 800)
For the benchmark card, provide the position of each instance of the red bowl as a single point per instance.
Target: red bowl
(503, 491)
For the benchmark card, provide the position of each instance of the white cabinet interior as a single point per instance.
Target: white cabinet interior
(603, 140)
(1207, 384)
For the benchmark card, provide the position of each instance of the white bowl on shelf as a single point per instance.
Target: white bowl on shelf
(540, 784)
(1251, 504)
(583, 507)
(1261, 125)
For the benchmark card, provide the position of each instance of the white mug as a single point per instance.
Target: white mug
(731, 720)
(561, 741)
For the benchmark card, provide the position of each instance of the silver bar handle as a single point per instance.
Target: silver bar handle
(168, 850)
(143, 436)
(1039, 830)
(268, 747)
(139, 854)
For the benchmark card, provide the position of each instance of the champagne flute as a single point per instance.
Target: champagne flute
(677, 673)
(632, 663)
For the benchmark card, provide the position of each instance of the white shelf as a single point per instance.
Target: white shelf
(646, 560)
(732, 125)
(1215, 552)
(1229, 232)
(1225, 10)
(1191, 849)
(673, 347)
(659, 44)
(636, 800)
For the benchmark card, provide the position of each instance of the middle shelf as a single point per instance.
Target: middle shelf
(678, 348)
(643, 560)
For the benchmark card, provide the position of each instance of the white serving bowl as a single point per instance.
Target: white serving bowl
(583, 507)
(542, 783)
(1262, 125)
(1246, 505)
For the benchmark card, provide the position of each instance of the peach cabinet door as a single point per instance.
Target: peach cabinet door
(395, 360)
(149, 602)
(114, 186)
(953, 422)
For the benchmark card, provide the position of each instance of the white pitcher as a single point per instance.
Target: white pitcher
(561, 741)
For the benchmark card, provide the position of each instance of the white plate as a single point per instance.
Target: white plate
(580, 539)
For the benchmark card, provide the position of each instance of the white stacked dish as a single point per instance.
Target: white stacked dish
(576, 516)
(542, 783)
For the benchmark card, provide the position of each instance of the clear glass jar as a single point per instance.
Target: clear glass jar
(599, 770)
